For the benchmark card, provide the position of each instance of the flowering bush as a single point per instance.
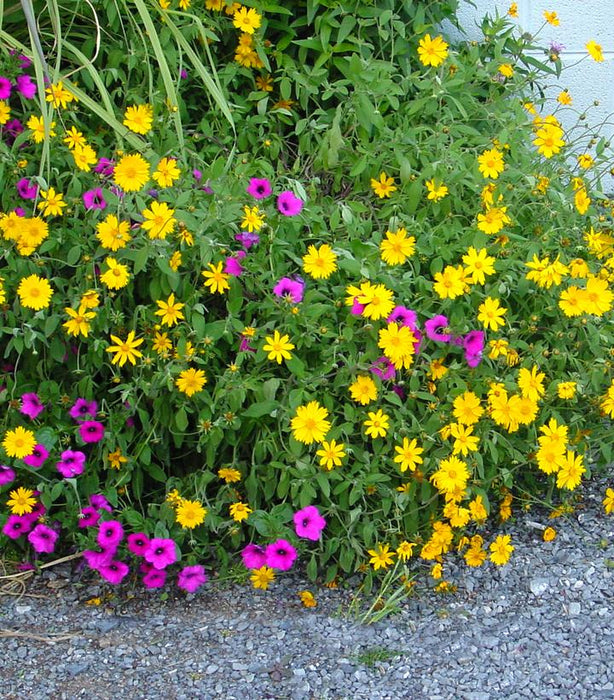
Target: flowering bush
(359, 358)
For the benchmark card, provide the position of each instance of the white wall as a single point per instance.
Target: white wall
(580, 22)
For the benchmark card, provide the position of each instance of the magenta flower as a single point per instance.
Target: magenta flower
(110, 534)
(7, 475)
(82, 408)
(232, 266)
(288, 204)
(16, 526)
(280, 555)
(197, 174)
(5, 88)
(88, 517)
(247, 239)
(26, 189)
(25, 86)
(383, 368)
(38, 457)
(72, 463)
(105, 167)
(114, 572)
(97, 559)
(253, 556)
(357, 308)
(94, 199)
(138, 542)
(12, 129)
(308, 523)
(191, 578)
(406, 316)
(37, 512)
(161, 552)
(43, 539)
(31, 405)
(473, 344)
(154, 578)
(290, 289)
(91, 431)
(434, 327)
(259, 188)
(100, 502)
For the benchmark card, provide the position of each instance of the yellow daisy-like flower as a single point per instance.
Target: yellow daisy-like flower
(175, 261)
(608, 501)
(90, 299)
(216, 279)
(117, 276)
(551, 18)
(79, 321)
(408, 455)
(436, 191)
(5, 112)
(307, 599)
(229, 475)
(398, 344)
(491, 314)
(377, 424)
(169, 311)
(451, 476)
(131, 172)
(549, 534)
(159, 220)
(262, 577)
(161, 343)
(85, 156)
(566, 390)
(491, 163)
(37, 126)
(549, 139)
(246, 20)
(278, 346)
(190, 514)
(478, 264)
(21, 501)
(383, 187)
(569, 475)
(405, 550)
(240, 511)
(116, 459)
(34, 292)
(493, 220)
(531, 382)
(191, 381)
(397, 247)
(564, 98)
(139, 118)
(432, 52)
(381, 556)
(19, 442)
(125, 350)
(320, 262)
(253, 219)
(52, 203)
(331, 454)
(501, 550)
(506, 70)
(378, 302)
(467, 408)
(464, 440)
(363, 390)
(74, 138)
(309, 424)
(58, 95)
(594, 50)
(451, 282)
(167, 172)
(112, 233)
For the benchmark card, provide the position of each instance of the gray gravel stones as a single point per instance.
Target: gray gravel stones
(542, 627)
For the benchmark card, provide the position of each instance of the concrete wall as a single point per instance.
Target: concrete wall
(580, 22)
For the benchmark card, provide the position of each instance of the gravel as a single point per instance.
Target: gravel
(541, 627)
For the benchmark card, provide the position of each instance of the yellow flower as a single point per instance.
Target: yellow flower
(116, 459)
(501, 550)
(383, 187)
(139, 118)
(551, 18)
(513, 10)
(34, 292)
(475, 556)
(437, 370)
(264, 83)
(278, 346)
(549, 139)
(491, 314)
(166, 173)
(491, 163)
(608, 501)
(74, 138)
(246, 20)
(125, 350)
(408, 455)
(52, 202)
(452, 475)
(19, 442)
(216, 279)
(190, 514)
(564, 98)
(320, 262)
(5, 112)
(85, 156)
(159, 220)
(585, 160)
(79, 321)
(37, 126)
(594, 51)
(531, 382)
(436, 191)
(397, 247)
(21, 501)
(262, 577)
(377, 424)
(405, 550)
(131, 172)
(331, 454)
(117, 276)
(451, 282)
(169, 311)
(582, 201)
(549, 534)
(175, 261)
(58, 95)
(569, 475)
(493, 220)
(307, 599)
(381, 556)
(112, 233)
(432, 52)
(363, 390)
(467, 409)
(310, 424)
(506, 70)
(191, 381)
(478, 264)
(566, 390)
(464, 440)
(240, 511)
(229, 475)
(378, 302)
(253, 219)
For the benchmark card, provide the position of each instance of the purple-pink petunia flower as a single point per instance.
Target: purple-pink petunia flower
(16, 526)
(43, 539)
(232, 265)
(96, 559)
(253, 556)
(12, 129)
(161, 552)
(290, 289)
(197, 174)
(72, 463)
(383, 368)
(38, 457)
(288, 204)
(31, 405)
(37, 512)
(100, 502)
(408, 317)
(191, 578)
(247, 239)
(7, 475)
(259, 188)
(308, 523)
(183, 74)
(434, 327)
(88, 517)
(114, 572)
(20, 211)
(154, 578)
(27, 189)
(94, 199)
(82, 408)
(357, 308)
(110, 534)
(473, 344)
(25, 86)
(105, 167)
(91, 431)
(5, 88)
(280, 555)
(138, 542)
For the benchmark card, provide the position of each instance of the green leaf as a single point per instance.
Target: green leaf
(181, 419)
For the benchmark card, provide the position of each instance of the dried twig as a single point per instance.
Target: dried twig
(50, 638)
